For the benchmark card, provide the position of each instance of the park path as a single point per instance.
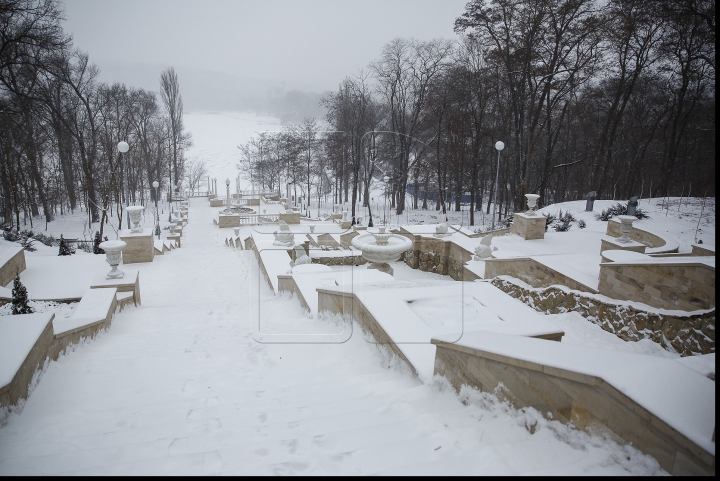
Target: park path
(179, 386)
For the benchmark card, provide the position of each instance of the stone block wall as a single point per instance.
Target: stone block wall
(638, 235)
(340, 261)
(231, 220)
(531, 272)
(288, 218)
(12, 262)
(588, 402)
(686, 334)
(430, 254)
(688, 287)
(528, 227)
(140, 246)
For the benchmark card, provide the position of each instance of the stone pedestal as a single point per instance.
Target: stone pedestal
(228, 220)
(217, 202)
(528, 226)
(211, 196)
(140, 247)
(129, 283)
(293, 218)
(346, 224)
(175, 237)
(610, 243)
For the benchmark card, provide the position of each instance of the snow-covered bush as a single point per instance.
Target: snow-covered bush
(20, 298)
(65, 249)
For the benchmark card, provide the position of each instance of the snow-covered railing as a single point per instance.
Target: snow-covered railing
(256, 219)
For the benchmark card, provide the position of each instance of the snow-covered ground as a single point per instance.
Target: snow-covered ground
(180, 385)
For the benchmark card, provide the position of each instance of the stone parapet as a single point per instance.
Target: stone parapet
(703, 250)
(12, 263)
(528, 226)
(217, 202)
(290, 218)
(175, 237)
(687, 286)
(228, 220)
(687, 334)
(610, 243)
(593, 401)
(130, 282)
(140, 246)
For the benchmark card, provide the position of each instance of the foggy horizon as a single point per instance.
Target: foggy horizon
(229, 54)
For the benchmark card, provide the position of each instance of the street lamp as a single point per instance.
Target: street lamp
(499, 146)
(227, 201)
(156, 184)
(123, 147)
(386, 179)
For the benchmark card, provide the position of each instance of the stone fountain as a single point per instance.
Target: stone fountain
(113, 254)
(381, 247)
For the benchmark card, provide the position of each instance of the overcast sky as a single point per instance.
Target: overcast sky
(309, 44)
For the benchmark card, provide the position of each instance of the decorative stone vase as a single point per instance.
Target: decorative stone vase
(344, 215)
(626, 225)
(135, 212)
(379, 254)
(531, 202)
(312, 228)
(113, 254)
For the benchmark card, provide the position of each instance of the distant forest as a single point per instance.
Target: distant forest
(611, 96)
(616, 97)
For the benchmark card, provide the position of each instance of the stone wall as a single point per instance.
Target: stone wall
(290, 218)
(347, 304)
(701, 250)
(531, 272)
(435, 254)
(638, 235)
(688, 286)
(339, 261)
(12, 263)
(687, 334)
(588, 402)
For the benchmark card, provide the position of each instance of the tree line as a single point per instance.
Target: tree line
(616, 97)
(60, 126)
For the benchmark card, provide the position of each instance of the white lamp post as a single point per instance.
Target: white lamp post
(156, 184)
(123, 147)
(227, 201)
(386, 179)
(499, 146)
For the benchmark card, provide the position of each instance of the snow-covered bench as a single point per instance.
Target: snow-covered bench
(93, 313)
(25, 340)
(662, 407)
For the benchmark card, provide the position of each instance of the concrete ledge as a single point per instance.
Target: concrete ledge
(612, 244)
(286, 283)
(532, 272)
(32, 334)
(703, 250)
(129, 283)
(657, 244)
(93, 314)
(668, 417)
(347, 304)
(12, 262)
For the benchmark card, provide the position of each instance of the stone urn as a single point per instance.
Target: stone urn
(381, 247)
(626, 225)
(135, 213)
(312, 228)
(344, 215)
(441, 230)
(113, 254)
(532, 203)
